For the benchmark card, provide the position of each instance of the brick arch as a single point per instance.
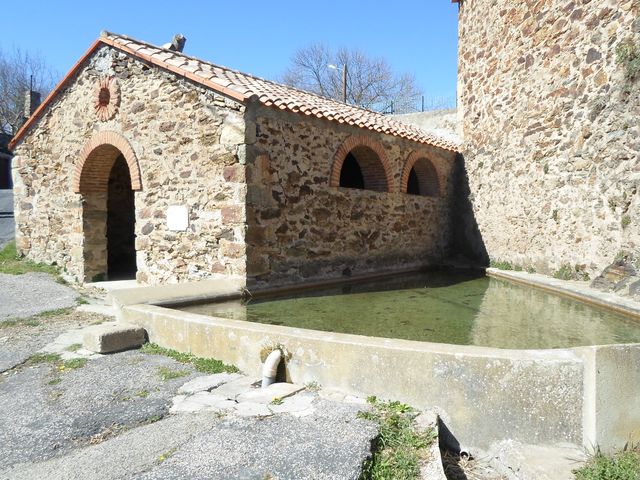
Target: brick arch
(376, 171)
(429, 178)
(102, 150)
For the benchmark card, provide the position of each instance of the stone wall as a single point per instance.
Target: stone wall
(189, 144)
(552, 138)
(299, 227)
(443, 123)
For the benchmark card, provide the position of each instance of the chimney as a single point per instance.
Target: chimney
(177, 43)
(31, 102)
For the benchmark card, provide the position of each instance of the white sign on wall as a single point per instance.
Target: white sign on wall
(177, 218)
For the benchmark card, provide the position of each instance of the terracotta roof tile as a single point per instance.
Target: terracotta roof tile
(244, 87)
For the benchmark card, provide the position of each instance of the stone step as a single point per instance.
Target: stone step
(107, 338)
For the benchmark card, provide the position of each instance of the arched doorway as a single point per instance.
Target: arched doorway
(106, 177)
(121, 223)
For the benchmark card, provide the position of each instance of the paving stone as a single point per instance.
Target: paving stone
(106, 338)
(251, 409)
(273, 391)
(301, 403)
(234, 388)
(197, 402)
(208, 382)
(330, 394)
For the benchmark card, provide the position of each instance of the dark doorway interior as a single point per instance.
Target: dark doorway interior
(413, 186)
(121, 221)
(351, 174)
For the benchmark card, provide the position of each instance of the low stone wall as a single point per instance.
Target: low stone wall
(586, 396)
(300, 227)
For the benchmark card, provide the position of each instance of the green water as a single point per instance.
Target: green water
(459, 308)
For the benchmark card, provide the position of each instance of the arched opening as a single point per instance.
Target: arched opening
(363, 169)
(361, 162)
(121, 223)
(351, 174)
(421, 178)
(107, 176)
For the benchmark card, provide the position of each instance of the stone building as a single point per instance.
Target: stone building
(147, 162)
(549, 116)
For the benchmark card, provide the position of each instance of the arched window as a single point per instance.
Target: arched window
(421, 177)
(351, 173)
(360, 163)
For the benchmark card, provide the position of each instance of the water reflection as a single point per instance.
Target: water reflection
(460, 308)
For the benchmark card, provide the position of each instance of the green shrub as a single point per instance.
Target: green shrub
(628, 55)
(400, 445)
(624, 465)
(565, 272)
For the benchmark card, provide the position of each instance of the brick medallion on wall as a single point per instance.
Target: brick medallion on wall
(106, 98)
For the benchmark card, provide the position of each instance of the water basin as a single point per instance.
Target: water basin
(461, 307)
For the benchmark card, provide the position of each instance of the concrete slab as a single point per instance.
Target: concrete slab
(234, 388)
(107, 338)
(269, 394)
(131, 292)
(536, 462)
(207, 383)
(101, 309)
(201, 401)
(300, 404)
(252, 409)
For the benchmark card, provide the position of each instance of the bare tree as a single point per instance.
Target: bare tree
(371, 82)
(19, 71)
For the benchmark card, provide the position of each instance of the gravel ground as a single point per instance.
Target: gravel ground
(19, 342)
(109, 420)
(330, 444)
(53, 411)
(32, 293)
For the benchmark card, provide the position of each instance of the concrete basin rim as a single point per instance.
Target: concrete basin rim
(558, 354)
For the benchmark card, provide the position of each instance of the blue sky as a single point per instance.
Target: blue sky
(255, 37)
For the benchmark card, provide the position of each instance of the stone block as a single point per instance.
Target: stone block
(270, 393)
(113, 338)
(207, 383)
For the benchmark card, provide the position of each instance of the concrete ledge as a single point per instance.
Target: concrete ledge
(569, 288)
(113, 338)
(490, 394)
(177, 293)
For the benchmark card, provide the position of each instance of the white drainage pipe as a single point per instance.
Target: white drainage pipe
(270, 368)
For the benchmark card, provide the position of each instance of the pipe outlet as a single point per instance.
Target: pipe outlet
(270, 368)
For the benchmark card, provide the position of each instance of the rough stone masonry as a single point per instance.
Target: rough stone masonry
(551, 131)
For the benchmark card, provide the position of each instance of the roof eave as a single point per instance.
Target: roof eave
(140, 55)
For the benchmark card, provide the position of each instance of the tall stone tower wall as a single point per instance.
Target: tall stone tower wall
(551, 126)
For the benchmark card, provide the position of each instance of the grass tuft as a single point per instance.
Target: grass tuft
(166, 373)
(13, 264)
(401, 446)
(205, 365)
(16, 322)
(43, 358)
(623, 465)
(73, 364)
(628, 55)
